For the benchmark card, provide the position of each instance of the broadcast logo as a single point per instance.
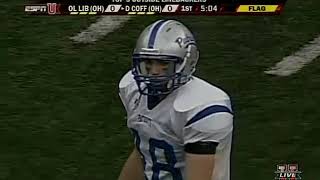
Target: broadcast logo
(35, 8)
(288, 172)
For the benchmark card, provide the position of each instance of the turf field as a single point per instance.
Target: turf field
(61, 118)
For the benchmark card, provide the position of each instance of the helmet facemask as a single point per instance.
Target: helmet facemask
(162, 81)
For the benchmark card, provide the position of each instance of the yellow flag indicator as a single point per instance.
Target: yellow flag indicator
(257, 8)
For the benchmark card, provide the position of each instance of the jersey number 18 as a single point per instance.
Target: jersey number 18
(157, 166)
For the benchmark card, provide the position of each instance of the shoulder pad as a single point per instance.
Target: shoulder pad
(198, 93)
(126, 80)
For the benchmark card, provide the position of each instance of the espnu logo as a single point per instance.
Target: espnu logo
(288, 172)
(50, 8)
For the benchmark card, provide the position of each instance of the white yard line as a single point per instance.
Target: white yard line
(293, 63)
(102, 27)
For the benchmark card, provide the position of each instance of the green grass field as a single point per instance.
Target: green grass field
(61, 118)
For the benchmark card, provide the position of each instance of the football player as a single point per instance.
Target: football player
(181, 124)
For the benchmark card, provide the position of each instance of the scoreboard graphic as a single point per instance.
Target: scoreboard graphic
(160, 7)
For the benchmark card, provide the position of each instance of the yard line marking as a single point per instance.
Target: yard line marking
(293, 63)
(101, 28)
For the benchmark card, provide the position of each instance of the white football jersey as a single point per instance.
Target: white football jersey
(196, 111)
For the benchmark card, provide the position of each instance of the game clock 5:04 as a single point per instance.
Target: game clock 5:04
(209, 8)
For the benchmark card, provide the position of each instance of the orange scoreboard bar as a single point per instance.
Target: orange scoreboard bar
(159, 7)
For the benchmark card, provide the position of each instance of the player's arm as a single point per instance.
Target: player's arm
(133, 168)
(199, 166)
(200, 160)
(203, 133)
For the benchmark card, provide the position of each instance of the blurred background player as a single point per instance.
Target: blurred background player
(182, 125)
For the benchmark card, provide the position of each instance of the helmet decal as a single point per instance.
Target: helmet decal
(184, 42)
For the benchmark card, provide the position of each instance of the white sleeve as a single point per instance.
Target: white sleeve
(212, 123)
(123, 100)
(124, 83)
